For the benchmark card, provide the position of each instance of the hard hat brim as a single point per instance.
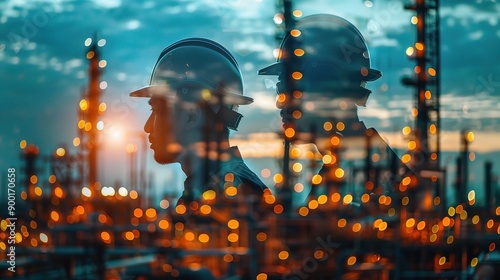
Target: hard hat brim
(228, 97)
(276, 68)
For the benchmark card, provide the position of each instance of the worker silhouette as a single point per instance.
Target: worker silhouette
(323, 68)
(195, 90)
(194, 93)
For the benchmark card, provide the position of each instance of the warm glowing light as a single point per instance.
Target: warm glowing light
(38, 191)
(105, 236)
(335, 141)
(90, 54)
(138, 212)
(130, 148)
(261, 236)
(432, 71)
(303, 211)
(179, 226)
(103, 63)
(412, 145)
(451, 211)
(335, 197)
(339, 172)
(60, 152)
(231, 191)
(58, 192)
(318, 254)
(102, 107)
(297, 13)
(54, 216)
(449, 239)
(442, 260)
(410, 222)
(471, 195)
(209, 195)
(80, 210)
(150, 213)
(299, 52)
(365, 198)
(203, 238)
(475, 219)
(233, 224)
(295, 152)
(289, 132)
(33, 179)
(492, 247)
(313, 204)
(88, 126)
(84, 104)
(463, 215)
(22, 144)
(347, 199)
(446, 221)
(233, 237)
(428, 94)
(406, 130)
(406, 158)
(205, 209)
(410, 51)
(295, 33)
(270, 199)
(283, 255)
(297, 167)
(433, 238)
(180, 209)
(133, 194)
(189, 236)
(322, 199)
(356, 227)
(351, 260)
(474, 262)
(298, 187)
(329, 159)
(342, 223)
(316, 179)
(328, 126)
(340, 126)
(278, 209)
(261, 276)
(432, 129)
(421, 225)
(76, 142)
(163, 224)
(297, 75)
(405, 200)
(419, 46)
(470, 136)
(414, 111)
(414, 20)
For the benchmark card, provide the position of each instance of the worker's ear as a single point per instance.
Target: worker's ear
(194, 116)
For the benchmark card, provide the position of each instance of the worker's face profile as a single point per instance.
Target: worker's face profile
(313, 99)
(164, 130)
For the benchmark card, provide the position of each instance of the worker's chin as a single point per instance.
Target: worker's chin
(164, 158)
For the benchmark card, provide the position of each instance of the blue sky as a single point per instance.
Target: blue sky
(43, 68)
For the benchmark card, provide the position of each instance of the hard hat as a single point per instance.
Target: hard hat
(326, 39)
(198, 69)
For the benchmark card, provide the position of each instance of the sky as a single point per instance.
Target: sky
(43, 71)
